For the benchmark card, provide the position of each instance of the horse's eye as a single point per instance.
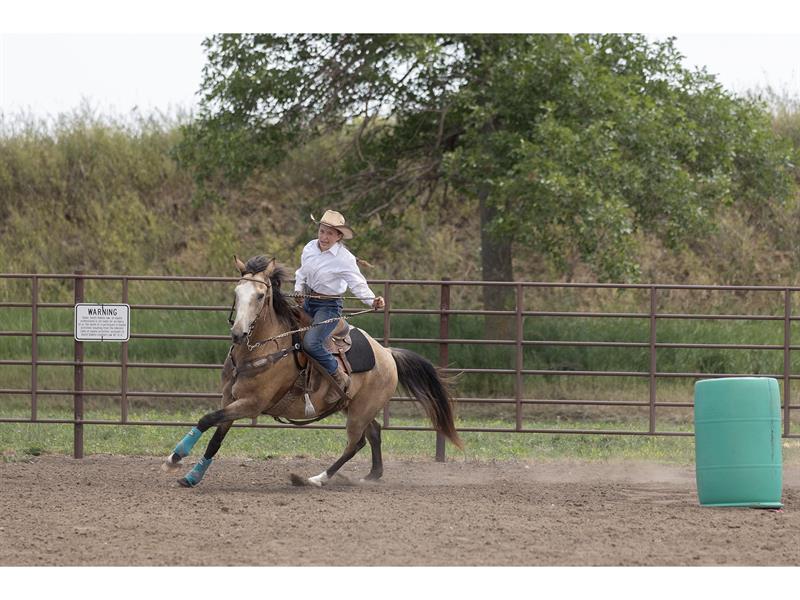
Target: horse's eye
(260, 296)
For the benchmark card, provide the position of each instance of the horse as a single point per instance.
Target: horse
(257, 381)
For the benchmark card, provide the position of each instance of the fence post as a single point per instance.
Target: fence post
(653, 308)
(387, 295)
(444, 334)
(123, 400)
(518, 383)
(787, 360)
(34, 346)
(77, 393)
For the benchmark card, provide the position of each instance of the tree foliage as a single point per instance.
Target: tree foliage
(568, 145)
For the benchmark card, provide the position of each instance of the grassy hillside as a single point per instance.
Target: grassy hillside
(104, 194)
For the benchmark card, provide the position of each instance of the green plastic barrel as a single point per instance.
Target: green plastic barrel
(737, 425)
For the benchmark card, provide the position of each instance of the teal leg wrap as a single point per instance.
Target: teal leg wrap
(187, 443)
(197, 473)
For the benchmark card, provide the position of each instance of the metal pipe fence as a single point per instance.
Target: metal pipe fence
(444, 312)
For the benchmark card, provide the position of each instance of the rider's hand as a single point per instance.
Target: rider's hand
(378, 303)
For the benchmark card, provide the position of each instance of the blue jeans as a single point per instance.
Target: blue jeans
(321, 310)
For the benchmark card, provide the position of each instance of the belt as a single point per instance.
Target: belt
(319, 296)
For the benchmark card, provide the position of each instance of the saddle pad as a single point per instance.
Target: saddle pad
(360, 356)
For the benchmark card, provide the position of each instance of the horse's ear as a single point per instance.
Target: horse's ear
(270, 266)
(239, 264)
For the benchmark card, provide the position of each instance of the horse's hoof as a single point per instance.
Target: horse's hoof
(319, 480)
(185, 482)
(171, 463)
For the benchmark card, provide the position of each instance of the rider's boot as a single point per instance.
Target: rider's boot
(343, 380)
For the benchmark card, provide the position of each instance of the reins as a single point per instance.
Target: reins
(318, 297)
(252, 347)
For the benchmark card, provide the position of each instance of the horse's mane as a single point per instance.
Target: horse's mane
(286, 309)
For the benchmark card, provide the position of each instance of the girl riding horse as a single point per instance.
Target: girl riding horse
(326, 270)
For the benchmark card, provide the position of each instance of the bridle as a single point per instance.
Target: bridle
(260, 314)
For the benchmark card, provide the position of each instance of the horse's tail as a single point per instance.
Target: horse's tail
(423, 382)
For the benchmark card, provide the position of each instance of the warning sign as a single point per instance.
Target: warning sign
(102, 322)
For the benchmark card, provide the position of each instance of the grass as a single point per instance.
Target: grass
(23, 439)
(20, 441)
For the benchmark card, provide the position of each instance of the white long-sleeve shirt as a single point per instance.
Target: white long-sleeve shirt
(331, 272)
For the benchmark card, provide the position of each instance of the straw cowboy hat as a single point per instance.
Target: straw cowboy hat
(334, 219)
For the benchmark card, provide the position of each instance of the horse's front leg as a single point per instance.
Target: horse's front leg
(236, 410)
(195, 476)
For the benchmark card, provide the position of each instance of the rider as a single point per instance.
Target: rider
(327, 269)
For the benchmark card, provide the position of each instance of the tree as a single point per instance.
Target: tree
(568, 145)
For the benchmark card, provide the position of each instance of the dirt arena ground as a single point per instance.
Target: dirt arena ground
(112, 510)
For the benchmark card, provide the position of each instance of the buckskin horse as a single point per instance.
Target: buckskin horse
(262, 378)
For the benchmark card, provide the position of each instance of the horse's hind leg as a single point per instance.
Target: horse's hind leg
(355, 442)
(374, 438)
(195, 476)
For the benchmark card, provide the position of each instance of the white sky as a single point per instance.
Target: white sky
(51, 73)
(148, 55)
(746, 61)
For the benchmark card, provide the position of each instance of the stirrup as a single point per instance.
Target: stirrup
(333, 394)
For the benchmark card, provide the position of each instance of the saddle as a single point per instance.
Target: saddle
(352, 351)
(350, 346)
(339, 343)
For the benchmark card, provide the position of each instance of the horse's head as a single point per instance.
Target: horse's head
(253, 294)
